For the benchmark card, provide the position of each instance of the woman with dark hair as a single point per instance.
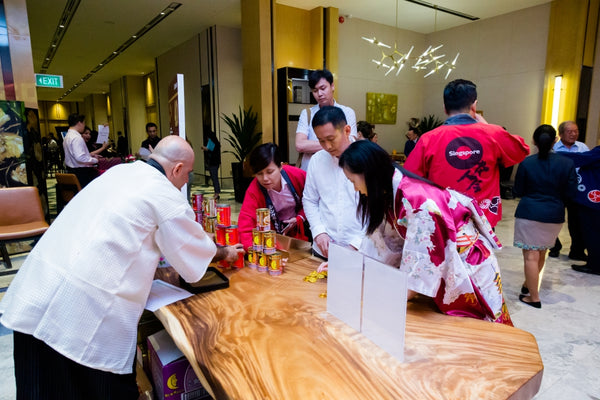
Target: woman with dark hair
(543, 182)
(366, 130)
(276, 187)
(439, 237)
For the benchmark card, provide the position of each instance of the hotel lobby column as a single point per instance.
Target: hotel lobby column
(257, 56)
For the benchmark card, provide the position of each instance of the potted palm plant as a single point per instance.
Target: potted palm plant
(243, 138)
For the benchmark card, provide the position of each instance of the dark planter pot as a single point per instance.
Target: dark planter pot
(240, 182)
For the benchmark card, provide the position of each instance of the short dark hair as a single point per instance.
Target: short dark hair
(263, 155)
(151, 125)
(330, 114)
(75, 118)
(315, 76)
(544, 137)
(459, 95)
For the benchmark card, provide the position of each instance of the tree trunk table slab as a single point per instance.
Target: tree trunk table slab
(270, 337)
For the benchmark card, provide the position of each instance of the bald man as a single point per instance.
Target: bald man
(75, 303)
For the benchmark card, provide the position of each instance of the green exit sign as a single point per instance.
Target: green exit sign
(53, 81)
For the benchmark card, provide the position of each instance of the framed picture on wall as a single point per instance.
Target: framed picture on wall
(381, 108)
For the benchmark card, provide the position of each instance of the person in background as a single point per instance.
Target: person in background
(588, 200)
(75, 303)
(544, 181)
(90, 138)
(78, 160)
(276, 187)
(412, 135)
(122, 145)
(569, 133)
(152, 140)
(329, 198)
(212, 160)
(465, 153)
(366, 130)
(439, 237)
(307, 144)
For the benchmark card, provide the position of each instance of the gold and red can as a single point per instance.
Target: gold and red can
(257, 239)
(210, 224)
(263, 219)
(199, 216)
(197, 200)
(210, 207)
(220, 234)
(263, 261)
(224, 214)
(275, 264)
(269, 242)
(232, 235)
(251, 257)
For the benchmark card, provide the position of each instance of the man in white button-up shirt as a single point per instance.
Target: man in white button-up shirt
(75, 303)
(329, 199)
(78, 160)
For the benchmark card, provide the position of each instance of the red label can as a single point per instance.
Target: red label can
(220, 234)
(224, 214)
(197, 201)
(239, 263)
(232, 235)
(199, 218)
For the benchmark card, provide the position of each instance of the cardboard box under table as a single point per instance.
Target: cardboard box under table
(173, 376)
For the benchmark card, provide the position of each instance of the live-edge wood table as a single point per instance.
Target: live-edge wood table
(270, 337)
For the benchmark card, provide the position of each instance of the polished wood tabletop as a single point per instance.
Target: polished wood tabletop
(270, 337)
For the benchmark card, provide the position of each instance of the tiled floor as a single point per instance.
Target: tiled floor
(567, 327)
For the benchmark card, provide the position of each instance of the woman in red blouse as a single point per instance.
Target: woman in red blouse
(276, 187)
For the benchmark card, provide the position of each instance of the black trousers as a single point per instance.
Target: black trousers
(578, 244)
(85, 175)
(589, 219)
(41, 373)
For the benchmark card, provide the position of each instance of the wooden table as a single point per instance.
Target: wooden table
(271, 338)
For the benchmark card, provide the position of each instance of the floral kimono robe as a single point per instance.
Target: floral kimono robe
(442, 239)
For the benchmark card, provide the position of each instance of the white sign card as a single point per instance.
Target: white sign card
(344, 284)
(384, 306)
(103, 132)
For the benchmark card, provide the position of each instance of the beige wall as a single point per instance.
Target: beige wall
(505, 56)
(359, 75)
(136, 112)
(183, 59)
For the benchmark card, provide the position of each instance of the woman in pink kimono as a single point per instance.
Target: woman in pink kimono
(440, 237)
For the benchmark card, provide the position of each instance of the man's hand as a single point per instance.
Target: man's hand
(233, 252)
(322, 240)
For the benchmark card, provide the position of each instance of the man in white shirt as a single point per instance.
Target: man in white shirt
(78, 160)
(75, 303)
(321, 84)
(329, 199)
(568, 132)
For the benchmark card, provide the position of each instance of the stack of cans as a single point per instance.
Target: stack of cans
(263, 254)
(198, 206)
(227, 234)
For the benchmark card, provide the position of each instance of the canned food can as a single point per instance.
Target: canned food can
(210, 207)
(251, 257)
(263, 260)
(269, 242)
(220, 234)
(199, 217)
(257, 239)
(224, 214)
(232, 235)
(197, 200)
(263, 219)
(239, 263)
(275, 264)
(210, 224)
